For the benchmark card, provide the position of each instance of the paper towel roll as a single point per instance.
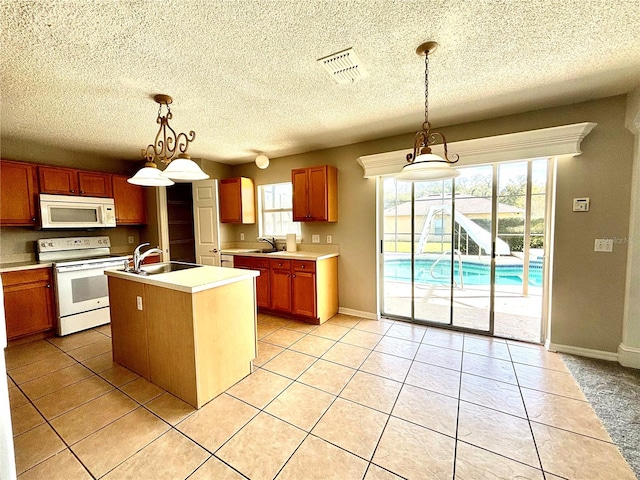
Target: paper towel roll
(291, 242)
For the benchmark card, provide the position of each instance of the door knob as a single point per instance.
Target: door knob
(215, 250)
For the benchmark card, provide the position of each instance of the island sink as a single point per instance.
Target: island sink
(158, 268)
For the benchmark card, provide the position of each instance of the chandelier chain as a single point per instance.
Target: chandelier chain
(426, 90)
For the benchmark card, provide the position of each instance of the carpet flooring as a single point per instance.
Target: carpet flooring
(614, 393)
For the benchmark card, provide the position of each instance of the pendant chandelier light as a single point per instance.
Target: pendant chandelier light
(170, 149)
(422, 165)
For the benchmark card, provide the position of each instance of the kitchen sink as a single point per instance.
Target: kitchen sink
(157, 268)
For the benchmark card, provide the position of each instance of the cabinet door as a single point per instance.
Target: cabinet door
(61, 181)
(130, 202)
(95, 184)
(300, 195)
(28, 302)
(230, 200)
(281, 290)
(317, 193)
(304, 294)
(263, 288)
(18, 192)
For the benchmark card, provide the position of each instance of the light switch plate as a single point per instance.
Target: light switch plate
(315, 238)
(603, 245)
(580, 204)
(329, 239)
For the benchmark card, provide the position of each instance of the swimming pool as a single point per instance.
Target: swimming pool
(473, 273)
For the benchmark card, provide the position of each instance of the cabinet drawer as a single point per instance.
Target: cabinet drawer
(303, 266)
(26, 276)
(250, 262)
(280, 264)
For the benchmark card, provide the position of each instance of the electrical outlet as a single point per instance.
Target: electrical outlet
(315, 238)
(329, 239)
(139, 302)
(131, 239)
(242, 236)
(603, 245)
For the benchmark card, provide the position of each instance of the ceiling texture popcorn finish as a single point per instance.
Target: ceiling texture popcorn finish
(244, 74)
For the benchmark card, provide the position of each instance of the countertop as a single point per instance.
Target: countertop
(297, 255)
(191, 280)
(28, 265)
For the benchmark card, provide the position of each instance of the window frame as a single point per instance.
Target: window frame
(262, 211)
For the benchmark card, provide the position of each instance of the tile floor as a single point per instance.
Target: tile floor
(350, 399)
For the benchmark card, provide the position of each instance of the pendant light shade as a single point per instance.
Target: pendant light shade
(149, 176)
(422, 164)
(184, 169)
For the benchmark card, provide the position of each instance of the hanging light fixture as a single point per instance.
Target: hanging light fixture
(262, 161)
(170, 149)
(422, 165)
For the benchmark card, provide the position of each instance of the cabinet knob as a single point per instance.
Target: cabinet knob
(81, 192)
(294, 276)
(48, 285)
(73, 191)
(33, 219)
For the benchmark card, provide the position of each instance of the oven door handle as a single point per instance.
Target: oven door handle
(94, 266)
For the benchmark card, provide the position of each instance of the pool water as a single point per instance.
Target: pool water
(473, 273)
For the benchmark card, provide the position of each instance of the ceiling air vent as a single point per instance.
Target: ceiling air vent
(344, 66)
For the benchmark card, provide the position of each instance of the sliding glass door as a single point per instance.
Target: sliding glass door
(466, 253)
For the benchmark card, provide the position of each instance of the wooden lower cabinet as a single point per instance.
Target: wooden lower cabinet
(303, 289)
(28, 302)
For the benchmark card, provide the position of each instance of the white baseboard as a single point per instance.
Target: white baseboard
(583, 352)
(357, 313)
(628, 356)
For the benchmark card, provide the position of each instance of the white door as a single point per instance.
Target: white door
(205, 222)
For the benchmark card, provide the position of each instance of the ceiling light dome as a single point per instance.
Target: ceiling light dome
(262, 161)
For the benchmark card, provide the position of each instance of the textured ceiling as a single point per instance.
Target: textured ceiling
(81, 74)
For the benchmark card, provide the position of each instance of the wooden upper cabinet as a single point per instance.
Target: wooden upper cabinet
(315, 194)
(130, 202)
(18, 194)
(69, 181)
(237, 200)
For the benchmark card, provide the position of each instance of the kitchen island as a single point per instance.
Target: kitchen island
(190, 331)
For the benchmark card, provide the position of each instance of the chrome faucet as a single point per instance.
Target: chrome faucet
(138, 258)
(271, 242)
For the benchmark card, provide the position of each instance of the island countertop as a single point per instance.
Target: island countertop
(191, 280)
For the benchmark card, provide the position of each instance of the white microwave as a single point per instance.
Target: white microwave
(65, 211)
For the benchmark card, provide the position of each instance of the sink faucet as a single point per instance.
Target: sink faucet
(271, 242)
(138, 258)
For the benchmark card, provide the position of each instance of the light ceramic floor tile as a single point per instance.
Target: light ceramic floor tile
(17, 356)
(283, 337)
(100, 363)
(68, 398)
(313, 345)
(89, 417)
(106, 448)
(489, 367)
(25, 417)
(439, 356)
(51, 363)
(344, 320)
(169, 408)
(347, 355)
(16, 397)
(436, 379)
(35, 446)
(170, 456)
(262, 447)
(264, 330)
(398, 347)
(217, 421)
(486, 346)
(562, 412)
(445, 339)
(388, 366)
(571, 455)
(77, 340)
(406, 331)
(118, 375)
(62, 466)
(142, 390)
(492, 394)
(473, 462)
(214, 469)
(10, 382)
(330, 331)
(415, 452)
(92, 350)
(300, 405)
(537, 357)
(327, 376)
(372, 391)
(55, 381)
(351, 426)
(316, 459)
(301, 326)
(266, 351)
(290, 364)
(549, 381)
(360, 338)
(498, 432)
(259, 388)
(429, 409)
(376, 473)
(374, 326)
